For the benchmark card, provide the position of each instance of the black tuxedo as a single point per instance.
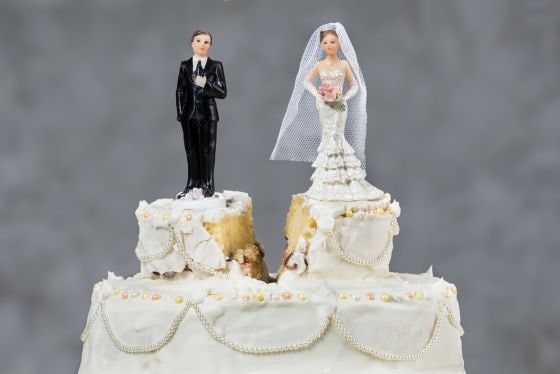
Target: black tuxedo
(198, 114)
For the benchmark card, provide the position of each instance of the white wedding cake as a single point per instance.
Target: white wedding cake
(203, 301)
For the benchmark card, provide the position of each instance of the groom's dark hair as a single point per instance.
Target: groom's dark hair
(201, 32)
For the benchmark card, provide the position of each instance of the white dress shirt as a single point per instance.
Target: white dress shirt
(195, 60)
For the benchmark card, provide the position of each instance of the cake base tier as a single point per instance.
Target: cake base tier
(400, 324)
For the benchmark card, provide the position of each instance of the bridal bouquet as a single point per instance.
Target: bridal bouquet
(332, 97)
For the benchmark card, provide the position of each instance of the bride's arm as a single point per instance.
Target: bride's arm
(351, 81)
(308, 82)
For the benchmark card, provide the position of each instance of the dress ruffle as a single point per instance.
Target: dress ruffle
(338, 174)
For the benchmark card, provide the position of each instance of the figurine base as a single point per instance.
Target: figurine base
(214, 202)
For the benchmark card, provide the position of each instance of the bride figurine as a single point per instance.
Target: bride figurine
(318, 119)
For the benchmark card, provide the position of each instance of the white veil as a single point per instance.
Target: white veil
(300, 134)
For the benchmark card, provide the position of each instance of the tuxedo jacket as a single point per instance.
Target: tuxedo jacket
(194, 102)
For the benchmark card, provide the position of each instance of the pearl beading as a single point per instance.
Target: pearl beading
(157, 256)
(358, 261)
(100, 310)
(145, 348)
(174, 242)
(87, 329)
(394, 356)
(193, 264)
(261, 350)
(453, 320)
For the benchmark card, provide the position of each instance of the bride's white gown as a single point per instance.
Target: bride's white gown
(338, 174)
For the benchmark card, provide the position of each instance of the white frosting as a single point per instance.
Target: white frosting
(234, 320)
(338, 244)
(157, 247)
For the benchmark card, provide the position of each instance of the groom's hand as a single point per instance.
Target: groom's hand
(200, 81)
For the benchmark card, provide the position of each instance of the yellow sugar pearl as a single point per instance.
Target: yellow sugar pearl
(188, 217)
(218, 296)
(144, 295)
(156, 297)
(125, 295)
(165, 217)
(380, 210)
(179, 300)
(418, 295)
(370, 296)
(146, 214)
(246, 298)
(348, 212)
(286, 295)
(343, 296)
(116, 291)
(312, 223)
(259, 296)
(385, 297)
(302, 297)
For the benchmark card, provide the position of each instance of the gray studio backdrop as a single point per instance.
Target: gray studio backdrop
(464, 130)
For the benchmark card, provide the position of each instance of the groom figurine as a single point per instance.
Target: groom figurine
(201, 81)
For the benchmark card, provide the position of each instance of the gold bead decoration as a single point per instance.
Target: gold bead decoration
(342, 296)
(179, 300)
(312, 223)
(286, 295)
(164, 217)
(146, 214)
(302, 297)
(144, 295)
(156, 297)
(259, 296)
(386, 298)
(116, 291)
(348, 213)
(380, 211)
(370, 296)
(218, 296)
(418, 295)
(125, 295)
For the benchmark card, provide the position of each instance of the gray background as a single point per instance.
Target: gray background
(464, 130)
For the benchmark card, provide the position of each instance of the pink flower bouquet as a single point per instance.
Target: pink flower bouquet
(332, 97)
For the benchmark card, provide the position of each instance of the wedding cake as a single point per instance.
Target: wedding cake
(204, 302)
(201, 302)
